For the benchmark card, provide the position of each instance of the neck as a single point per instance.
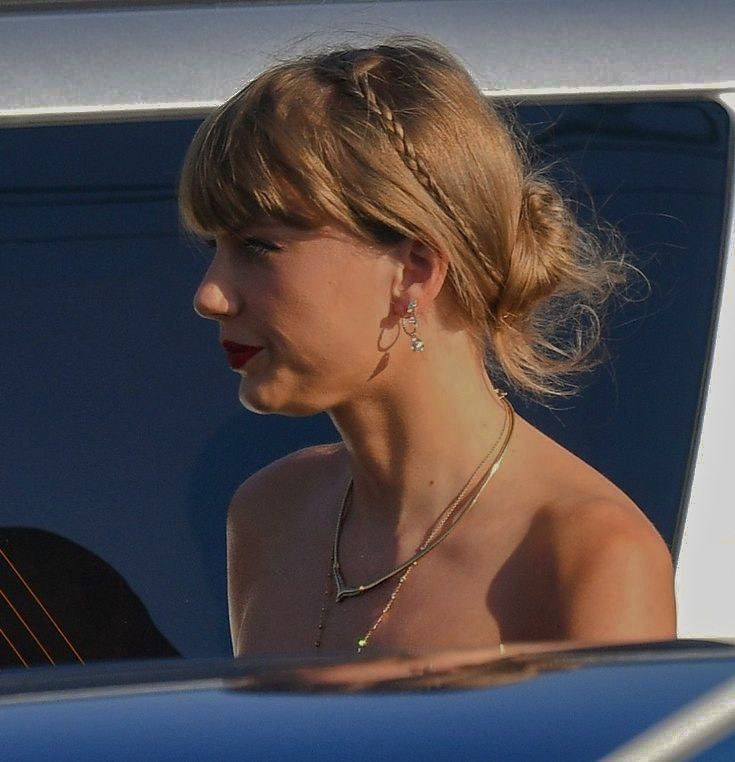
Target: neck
(414, 440)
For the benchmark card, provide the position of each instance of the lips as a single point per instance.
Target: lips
(238, 355)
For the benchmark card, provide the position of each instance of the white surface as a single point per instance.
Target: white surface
(705, 577)
(56, 65)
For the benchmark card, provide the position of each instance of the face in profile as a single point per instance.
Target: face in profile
(305, 316)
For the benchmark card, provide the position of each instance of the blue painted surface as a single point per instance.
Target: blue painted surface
(574, 715)
(724, 751)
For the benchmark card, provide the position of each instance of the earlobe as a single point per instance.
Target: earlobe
(400, 301)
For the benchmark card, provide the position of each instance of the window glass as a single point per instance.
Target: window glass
(122, 437)
(658, 173)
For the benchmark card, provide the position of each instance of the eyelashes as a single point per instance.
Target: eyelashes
(257, 246)
(252, 247)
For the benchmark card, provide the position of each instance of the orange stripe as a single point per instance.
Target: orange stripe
(43, 608)
(25, 624)
(17, 653)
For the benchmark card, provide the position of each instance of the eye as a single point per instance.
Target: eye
(257, 247)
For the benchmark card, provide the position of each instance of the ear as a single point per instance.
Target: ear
(419, 277)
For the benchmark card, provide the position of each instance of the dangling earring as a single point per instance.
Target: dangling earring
(409, 324)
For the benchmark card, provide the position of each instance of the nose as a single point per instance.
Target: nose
(212, 299)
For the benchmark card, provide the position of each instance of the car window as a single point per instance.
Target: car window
(122, 437)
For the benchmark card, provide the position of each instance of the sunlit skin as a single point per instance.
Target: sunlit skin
(552, 550)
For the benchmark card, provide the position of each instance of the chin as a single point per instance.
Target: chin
(257, 402)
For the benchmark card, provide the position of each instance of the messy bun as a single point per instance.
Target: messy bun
(396, 141)
(545, 326)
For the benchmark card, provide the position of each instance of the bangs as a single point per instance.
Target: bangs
(247, 161)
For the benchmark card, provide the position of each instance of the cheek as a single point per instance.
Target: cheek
(325, 321)
(328, 347)
(351, 316)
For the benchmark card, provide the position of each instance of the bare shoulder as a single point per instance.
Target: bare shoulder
(585, 519)
(598, 567)
(264, 498)
(263, 508)
(596, 529)
(614, 570)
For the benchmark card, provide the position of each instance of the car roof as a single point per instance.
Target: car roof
(85, 60)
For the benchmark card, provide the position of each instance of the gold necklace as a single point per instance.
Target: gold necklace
(345, 591)
(433, 539)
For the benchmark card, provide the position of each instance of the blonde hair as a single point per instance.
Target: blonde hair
(396, 141)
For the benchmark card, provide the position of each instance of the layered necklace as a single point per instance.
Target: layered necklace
(448, 518)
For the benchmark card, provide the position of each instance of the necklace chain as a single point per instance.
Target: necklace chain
(434, 537)
(346, 591)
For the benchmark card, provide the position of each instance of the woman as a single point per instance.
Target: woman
(380, 240)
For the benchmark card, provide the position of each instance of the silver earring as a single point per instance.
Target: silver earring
(409, 323)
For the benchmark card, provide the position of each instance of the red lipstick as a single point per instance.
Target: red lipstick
(239, 354)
